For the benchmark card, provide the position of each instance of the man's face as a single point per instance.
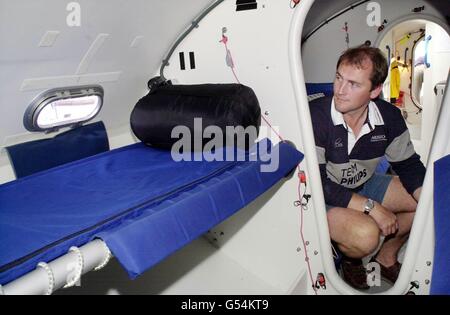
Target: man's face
(353, 88)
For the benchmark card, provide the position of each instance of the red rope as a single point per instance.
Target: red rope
(300, 195)
(294, 3)
(235, 76)
(268, 123)
(225, 42)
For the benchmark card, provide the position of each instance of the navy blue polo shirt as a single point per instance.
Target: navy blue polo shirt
(347, 162)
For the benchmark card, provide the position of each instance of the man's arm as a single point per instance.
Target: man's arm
(385, 219)
(411, 173)
(401, 154)
(334, 194)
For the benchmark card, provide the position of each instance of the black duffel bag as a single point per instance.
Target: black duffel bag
(197, 107)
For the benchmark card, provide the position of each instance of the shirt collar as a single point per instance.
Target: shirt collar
(374, 118)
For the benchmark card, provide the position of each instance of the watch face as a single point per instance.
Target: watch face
(369, 205)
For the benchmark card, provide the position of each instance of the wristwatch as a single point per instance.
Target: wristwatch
(368, 206)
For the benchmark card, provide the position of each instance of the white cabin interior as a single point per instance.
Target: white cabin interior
(276, 48)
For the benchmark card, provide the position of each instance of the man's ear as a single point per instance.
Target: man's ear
(376, 92)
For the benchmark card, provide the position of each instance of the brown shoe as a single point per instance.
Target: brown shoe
(390, 274)
(354, 273)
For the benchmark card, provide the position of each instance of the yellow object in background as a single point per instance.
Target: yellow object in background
(395, 79)
(404, 40)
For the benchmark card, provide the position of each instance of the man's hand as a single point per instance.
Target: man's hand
(385, 219)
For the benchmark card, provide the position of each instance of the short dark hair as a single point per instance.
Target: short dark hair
(358, 55)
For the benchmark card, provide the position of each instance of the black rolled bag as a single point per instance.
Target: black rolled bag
(224, 111)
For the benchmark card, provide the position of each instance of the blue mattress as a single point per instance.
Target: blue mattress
(141, 202)
(441, 272)
(325, 88)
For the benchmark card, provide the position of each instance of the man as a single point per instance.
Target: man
(353, 131)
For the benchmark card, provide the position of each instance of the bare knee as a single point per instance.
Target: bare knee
(356, 234)
(364, 241)
(368, 238)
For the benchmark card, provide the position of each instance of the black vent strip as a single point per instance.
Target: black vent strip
(192, 59)
(122, 214)
(244, 5)
(182, 62)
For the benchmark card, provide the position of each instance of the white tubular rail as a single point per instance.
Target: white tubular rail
(62, 272)
(309, 147)
(440, 148)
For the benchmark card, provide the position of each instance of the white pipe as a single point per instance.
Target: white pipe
(440, 147)
(94, 254)
(409, 17)
(309, 147)
(312, 167)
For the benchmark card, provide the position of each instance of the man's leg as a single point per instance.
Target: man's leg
(356, 234)
(403, 205)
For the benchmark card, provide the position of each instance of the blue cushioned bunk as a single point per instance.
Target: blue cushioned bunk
(315, 88)
(141, 202)
(441, 272)
(78, 143)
